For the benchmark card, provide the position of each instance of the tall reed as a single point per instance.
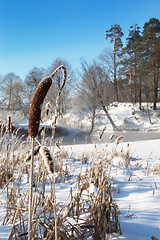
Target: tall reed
(33, 129)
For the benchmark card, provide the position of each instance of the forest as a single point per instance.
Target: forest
(128, 71)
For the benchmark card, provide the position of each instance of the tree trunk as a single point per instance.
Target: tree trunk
(155, 89)
(140, 97)
(140, 87)
(115, 77)
(109, 117)
(9, 102)
(149, 116)
(135, 79)
(130, 79)
(93, 119)
(154, 80)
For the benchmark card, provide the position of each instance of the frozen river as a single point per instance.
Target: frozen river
(129, 136)
(80, 137)
(76, 136)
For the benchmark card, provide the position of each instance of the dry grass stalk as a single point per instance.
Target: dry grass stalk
(156, 169)
(54, 127)
(50, 165)
(14, 220)
(40, 131)
(100, 210)
(101, 213)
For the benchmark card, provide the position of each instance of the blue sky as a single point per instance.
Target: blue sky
(36, 32)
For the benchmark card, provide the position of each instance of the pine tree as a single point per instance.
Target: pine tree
(115, 33)
(134, 50)
(151, 39)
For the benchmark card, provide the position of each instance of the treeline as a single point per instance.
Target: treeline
(126, 73)
(16, 94)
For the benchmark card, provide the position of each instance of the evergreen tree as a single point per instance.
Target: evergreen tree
(151, 40)
(134, 50)
(115, 33)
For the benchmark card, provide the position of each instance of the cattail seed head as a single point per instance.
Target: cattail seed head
(48, 161)
(101, 134)
(111, 137)
(47, 108)
(54, 122)
(36, 105)
(118, 139)
(36, 151)
(9, 125)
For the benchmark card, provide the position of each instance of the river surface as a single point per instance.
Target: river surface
(128, 136)
(75, 136)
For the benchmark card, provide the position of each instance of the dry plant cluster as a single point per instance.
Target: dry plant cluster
(86, 214)
(82, 216)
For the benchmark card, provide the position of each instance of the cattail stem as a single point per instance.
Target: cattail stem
(60, 89)
(50, 165)
(55, 211)
(30, 194)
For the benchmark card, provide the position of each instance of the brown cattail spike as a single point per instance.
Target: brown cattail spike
(111, 137)
(54, 122)
(47, 108)
(48, 161)
(36, 151)
(101, 134)
(118, 140)
(9, 124)
(36, 105)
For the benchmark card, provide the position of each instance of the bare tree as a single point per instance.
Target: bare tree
(32, 80)
(107, 60)
(12, 91)
(96, 89)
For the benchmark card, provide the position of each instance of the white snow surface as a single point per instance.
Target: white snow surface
(137, 191)
(126, 116)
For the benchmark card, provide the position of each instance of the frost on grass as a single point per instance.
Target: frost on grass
(87, 210)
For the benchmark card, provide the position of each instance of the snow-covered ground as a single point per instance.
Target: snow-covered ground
(136, 182)
(126, 116)
(137, 188)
